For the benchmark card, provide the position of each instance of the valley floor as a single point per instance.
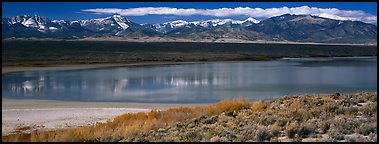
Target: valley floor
(73, 53)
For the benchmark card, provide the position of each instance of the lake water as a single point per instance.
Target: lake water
(197, 83)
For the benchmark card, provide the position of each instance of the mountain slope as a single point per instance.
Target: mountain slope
(305, 28)
(296, 28)
(35, 26)
(229, 33)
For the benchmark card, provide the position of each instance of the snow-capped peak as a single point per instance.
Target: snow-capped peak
(30, 21)
(120, 20)
(204, 23)
(216, 22)
(59, 21)
(117, 16)
(177, 23)
(72, 22)
(111, 20)
(252, 20)
(220, 22)
(18, 19)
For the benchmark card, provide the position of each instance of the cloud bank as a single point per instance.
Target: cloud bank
(332, 13)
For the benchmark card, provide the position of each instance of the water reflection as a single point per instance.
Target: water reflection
(198, 82)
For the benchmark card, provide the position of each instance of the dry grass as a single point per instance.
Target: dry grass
(128, 125)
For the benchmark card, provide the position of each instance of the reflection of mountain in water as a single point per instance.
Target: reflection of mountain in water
(34, 86)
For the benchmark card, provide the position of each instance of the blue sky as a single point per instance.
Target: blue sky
(155, 12)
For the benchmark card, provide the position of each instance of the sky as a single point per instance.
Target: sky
(158, 12)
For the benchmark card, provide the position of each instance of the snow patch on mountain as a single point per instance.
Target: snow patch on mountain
(177, 23)
(59, 21)
(123, 25)
(29, 23)
(163, 27)
(250, 19)
(53, 28)
(72, 22)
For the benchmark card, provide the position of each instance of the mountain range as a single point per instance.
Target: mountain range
(293, 28)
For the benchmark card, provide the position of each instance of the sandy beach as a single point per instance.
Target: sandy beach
(36, 114)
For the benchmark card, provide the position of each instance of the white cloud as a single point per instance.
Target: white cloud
(331, 13)
(325, 15)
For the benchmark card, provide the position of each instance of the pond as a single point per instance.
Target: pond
(197, 83)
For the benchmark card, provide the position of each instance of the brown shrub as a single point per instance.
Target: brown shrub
(369, 109)
(260, 105)
(344, 124)
(336, 134)
(282, 122)
(292, 129)
(352, 111)
(307, 129)
(296, 105)
(266, 120)
(228, 105)
(373, 98)
(262, 134)
(297, 114)
(275, 130)
(330, 108)
(366, 129)
(324, 126)
(373, 137)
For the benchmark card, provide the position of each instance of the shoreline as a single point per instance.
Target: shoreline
(8, 104)
(10, 69)
(27, 114)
